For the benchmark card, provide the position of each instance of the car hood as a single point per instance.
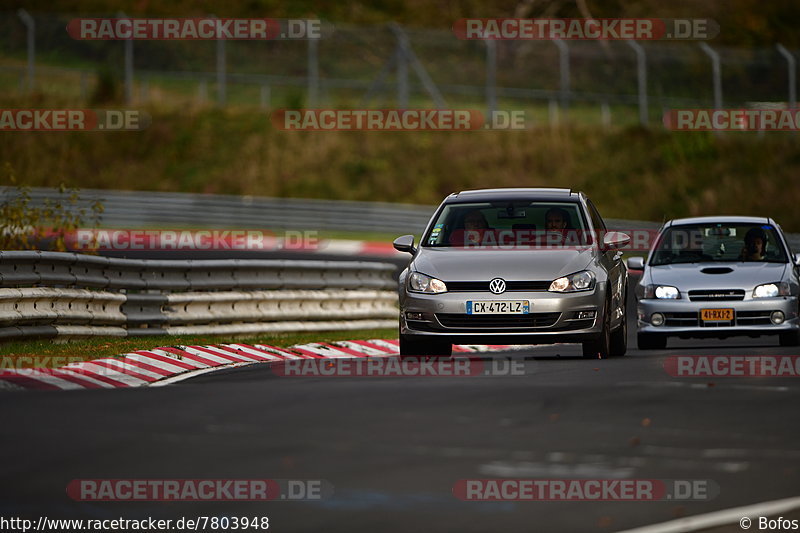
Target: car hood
(455, 264)
(690, 276)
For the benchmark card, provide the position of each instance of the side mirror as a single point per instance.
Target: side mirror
(404, 244)
(614, 240)
(796, 259)
(636, 263)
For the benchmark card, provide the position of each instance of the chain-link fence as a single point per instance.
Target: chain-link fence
(390, 66)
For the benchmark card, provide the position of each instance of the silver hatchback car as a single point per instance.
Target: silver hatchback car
(514, 266)
(718, 277)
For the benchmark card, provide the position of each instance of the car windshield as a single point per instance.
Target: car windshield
(509, 224)
(706, 243)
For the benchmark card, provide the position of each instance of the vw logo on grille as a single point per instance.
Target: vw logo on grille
(497, 286)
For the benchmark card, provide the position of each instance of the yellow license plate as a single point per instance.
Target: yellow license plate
(718, 315)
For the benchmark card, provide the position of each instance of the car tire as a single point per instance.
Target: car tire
(619, 338)
(600, 348)
(412, 347)
(651, 341)
(790, 338)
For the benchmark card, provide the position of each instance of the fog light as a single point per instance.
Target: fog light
(580, 315)
(777, 317)
(413, 316)
(657, 319)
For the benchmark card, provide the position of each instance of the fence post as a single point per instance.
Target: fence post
(491, 77)
(641, 75)
(128, 65)
(422, 74)
(402, 76)
(84, 86)
(265, 96)
(222, 87)
(202, 91)
(716, 72)
(563, 61)
(605, 115)
(792, 71)
(144, 90)
(313, 72)
(30, 25)
(552, 113)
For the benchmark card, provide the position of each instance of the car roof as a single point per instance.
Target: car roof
(720, 220)
(500, 194)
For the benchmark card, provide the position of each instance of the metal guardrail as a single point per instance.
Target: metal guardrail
(55, 294)
(136, 209)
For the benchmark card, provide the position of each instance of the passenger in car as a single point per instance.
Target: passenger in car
(755, 245)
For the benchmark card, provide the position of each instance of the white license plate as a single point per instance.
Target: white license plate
(499, 307)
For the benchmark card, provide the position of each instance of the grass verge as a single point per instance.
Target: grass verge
(25, 354)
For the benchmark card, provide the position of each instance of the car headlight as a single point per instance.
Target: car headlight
(580, 281)
(771, 290)
(421, 283)
(662, 292)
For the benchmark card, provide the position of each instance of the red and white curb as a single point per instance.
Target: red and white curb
(164, 365)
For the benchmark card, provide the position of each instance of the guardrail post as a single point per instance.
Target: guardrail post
(30, 25)
(716, 72)
(641, 76)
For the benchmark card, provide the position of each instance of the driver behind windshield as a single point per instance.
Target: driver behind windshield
(475, 225)
(556, 219)
(755, 245)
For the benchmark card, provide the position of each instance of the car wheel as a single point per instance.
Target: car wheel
(790, 338)
(651, 341)
(411, 347)
(601, 346)
(619, 339)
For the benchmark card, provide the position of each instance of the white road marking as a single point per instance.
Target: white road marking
(721, 518)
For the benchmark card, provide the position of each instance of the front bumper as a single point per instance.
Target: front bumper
(552, 317)
(751, 317)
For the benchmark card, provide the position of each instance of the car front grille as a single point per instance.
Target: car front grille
(716, 295)
(481, 286)
(472, 322)
(753, 318)
(681, 320)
